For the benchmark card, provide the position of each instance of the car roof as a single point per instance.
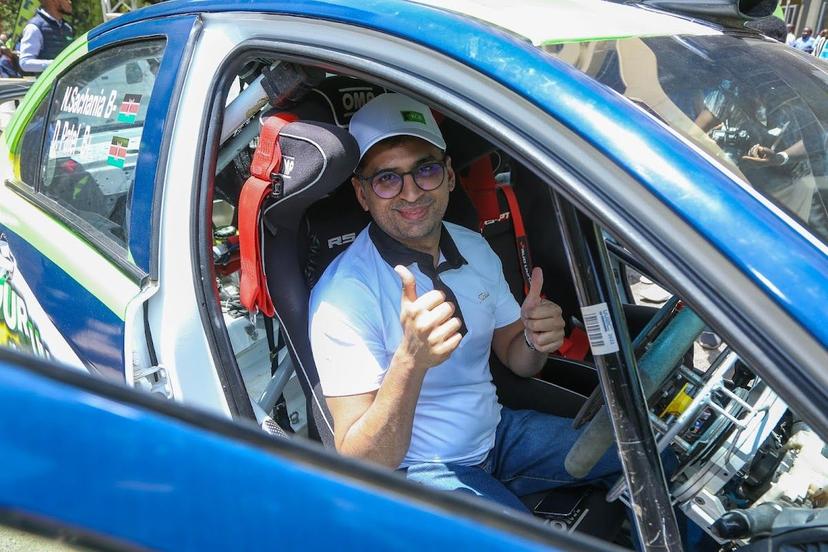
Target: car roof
(538, 21)
(559, 21)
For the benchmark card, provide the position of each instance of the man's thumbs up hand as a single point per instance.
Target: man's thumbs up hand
(542, 319)
(430, 333)
(533, 298)
(409, 285)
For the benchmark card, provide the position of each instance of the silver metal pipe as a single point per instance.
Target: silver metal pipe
(720, 367)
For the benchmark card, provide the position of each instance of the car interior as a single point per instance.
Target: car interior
(311, 216)
(313, 225)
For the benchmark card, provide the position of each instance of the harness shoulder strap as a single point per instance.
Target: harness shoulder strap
(521, 241)
(576, 345)
(264, 181)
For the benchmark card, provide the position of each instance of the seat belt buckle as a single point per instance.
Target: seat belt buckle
(576, 345)
(277, 186)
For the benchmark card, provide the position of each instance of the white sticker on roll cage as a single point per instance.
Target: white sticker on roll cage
(599, 329)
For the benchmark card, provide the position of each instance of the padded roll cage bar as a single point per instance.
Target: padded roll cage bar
(618, 373)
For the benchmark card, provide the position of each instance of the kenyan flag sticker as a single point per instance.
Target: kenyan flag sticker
(117, 152)
(129, 108)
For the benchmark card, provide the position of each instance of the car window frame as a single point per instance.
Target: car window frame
(180, 33)
(118, 254)
(209, 141)
(116, 250)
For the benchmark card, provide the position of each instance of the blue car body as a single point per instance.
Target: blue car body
(83, 460)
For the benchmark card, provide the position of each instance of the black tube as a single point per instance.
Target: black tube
(734, 10)
(747, 523)
(650, 500)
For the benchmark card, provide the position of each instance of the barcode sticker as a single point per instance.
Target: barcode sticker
(599, 329)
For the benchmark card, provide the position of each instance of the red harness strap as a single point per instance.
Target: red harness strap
(522, 242)
(576, 345)
(267, 161)
(481, 187)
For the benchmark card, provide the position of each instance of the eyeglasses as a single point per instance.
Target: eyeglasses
(388, 184)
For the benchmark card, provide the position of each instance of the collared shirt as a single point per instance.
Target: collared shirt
(31, 44)
(355, 331)
(804, 44)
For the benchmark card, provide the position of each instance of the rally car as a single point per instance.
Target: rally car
(592, 139)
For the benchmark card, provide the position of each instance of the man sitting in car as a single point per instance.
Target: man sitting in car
(403, 322)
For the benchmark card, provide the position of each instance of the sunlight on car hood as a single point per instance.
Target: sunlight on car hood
(558, 21)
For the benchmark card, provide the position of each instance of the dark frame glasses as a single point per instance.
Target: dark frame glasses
(388, 184)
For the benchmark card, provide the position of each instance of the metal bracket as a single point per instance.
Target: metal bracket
(153, 379)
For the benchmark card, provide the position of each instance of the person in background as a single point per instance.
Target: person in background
(819, 43)
(45, 36)
(806, 41)
(9, 68)
(790, 37)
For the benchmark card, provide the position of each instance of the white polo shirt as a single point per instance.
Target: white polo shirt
(355, 330)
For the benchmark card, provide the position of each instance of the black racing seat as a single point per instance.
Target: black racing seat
(329, 224)
(319, 156)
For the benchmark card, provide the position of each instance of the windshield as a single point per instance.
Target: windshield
(756, 105)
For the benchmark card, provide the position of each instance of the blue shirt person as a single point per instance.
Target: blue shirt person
(45, 35)
(805, 42)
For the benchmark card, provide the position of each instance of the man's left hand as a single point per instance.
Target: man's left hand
(542, 319)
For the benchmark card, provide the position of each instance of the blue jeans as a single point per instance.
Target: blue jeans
(527, 457)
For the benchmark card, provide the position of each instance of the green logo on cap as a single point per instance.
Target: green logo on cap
(413, 117)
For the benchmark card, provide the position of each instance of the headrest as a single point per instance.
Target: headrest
(316, 158)
(464, 145)
(336, 99)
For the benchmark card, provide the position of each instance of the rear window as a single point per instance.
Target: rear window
(94, 132)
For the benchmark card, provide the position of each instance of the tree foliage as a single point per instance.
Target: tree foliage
(85, 15)
(8, 12)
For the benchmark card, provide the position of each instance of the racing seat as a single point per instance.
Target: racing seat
(332, 223)
(314, 159)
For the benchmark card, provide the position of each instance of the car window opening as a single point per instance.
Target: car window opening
(711, 415)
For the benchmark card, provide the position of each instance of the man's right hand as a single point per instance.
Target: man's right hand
(430, 332)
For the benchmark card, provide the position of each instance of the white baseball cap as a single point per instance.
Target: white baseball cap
(393, 115)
